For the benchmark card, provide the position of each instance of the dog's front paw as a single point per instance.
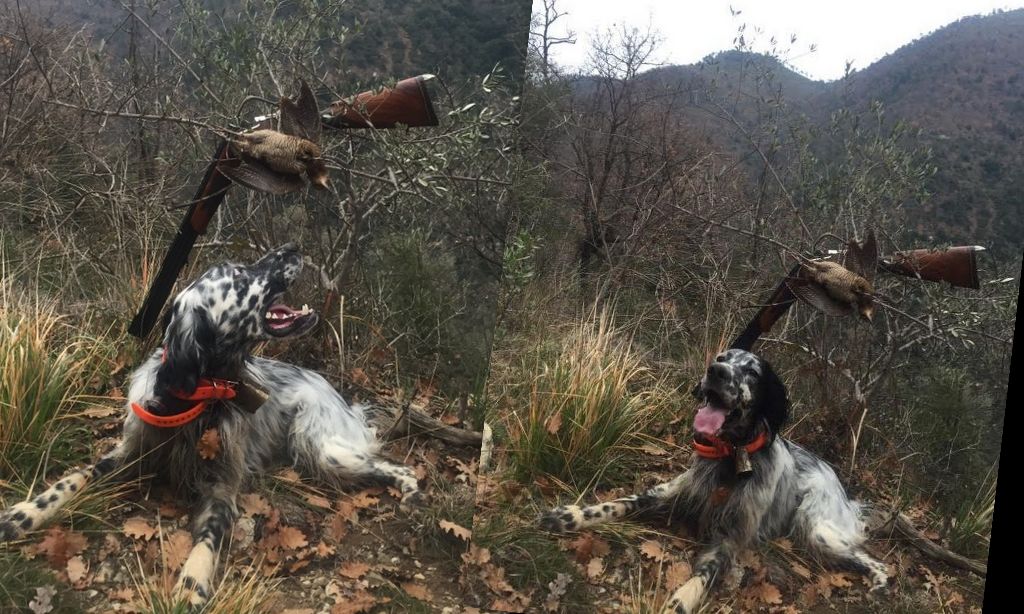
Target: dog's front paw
(879, 586)
(412, 501)
(192, 592)
(562, 519)
(11, 527)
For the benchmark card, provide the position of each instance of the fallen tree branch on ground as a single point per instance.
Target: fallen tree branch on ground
(885, 523)
(400, 422)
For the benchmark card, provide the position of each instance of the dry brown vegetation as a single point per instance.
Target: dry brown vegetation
(682, 226)
(103, 141)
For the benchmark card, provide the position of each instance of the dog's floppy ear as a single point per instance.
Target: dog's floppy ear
(188, 346)
(773, 403)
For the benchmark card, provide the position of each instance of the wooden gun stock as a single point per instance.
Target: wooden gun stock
(768, 315)
(407, 104)
(204, 204)
(956, 265)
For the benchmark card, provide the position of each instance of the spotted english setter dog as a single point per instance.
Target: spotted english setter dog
(205, 376)
(745, 484)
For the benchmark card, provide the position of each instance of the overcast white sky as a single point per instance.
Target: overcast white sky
(859, 30)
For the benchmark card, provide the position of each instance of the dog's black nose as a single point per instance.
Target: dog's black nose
(717, 370)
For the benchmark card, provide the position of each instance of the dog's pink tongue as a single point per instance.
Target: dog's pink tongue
(709, 420)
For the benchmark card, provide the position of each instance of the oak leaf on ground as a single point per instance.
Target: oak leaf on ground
(59, 545)
(209, 444)
(353, 570)
(139, 528)
(455, 529)
(653, 550)
(417, 590)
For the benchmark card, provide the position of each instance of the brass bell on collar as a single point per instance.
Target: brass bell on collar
(743, 467)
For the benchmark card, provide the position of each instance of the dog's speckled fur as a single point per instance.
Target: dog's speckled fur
(210, 330)
(790, 493)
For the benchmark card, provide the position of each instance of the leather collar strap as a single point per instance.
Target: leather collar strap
(208, 389)
(722, 449)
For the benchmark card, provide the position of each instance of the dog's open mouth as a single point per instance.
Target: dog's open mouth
(282, 320)
(711, 416)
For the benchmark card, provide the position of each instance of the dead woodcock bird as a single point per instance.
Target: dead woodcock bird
(840, 289)
(274, 161)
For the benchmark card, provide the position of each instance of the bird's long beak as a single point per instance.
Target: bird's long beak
(868, 312)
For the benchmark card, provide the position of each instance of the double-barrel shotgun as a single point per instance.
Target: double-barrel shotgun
(957, 266)
(408, 104)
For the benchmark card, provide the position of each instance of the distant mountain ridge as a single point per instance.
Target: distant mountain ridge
(963, 85)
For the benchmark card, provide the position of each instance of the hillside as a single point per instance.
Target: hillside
(452, 38)
(962, 85)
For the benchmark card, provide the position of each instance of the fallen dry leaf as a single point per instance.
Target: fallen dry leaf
(335, 528)
(553, 423)
(457, 530)
(364, 499)
(476, 555)
(100, 411)
(290, 538)
(288, 475)
(595, 568)
(323, 550)
(353, 569)
(121, 594)
(800, 570)
(139, 528)
(77, 572)
(361, 601)
(347, 511)
(653, 450)
(177, 548)
(252, 504)
(209, 444)
(653, 550)
(418, 591)
(318, 501)
(59, 545)
(677, 574)
(839, 580)
(556, 590)
(768, 593)
(587, 546)
(358, 377)
(42, 603)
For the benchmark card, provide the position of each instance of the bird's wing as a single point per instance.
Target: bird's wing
(816, 296)
(256, 176)
(301, 117)
(862, 258)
